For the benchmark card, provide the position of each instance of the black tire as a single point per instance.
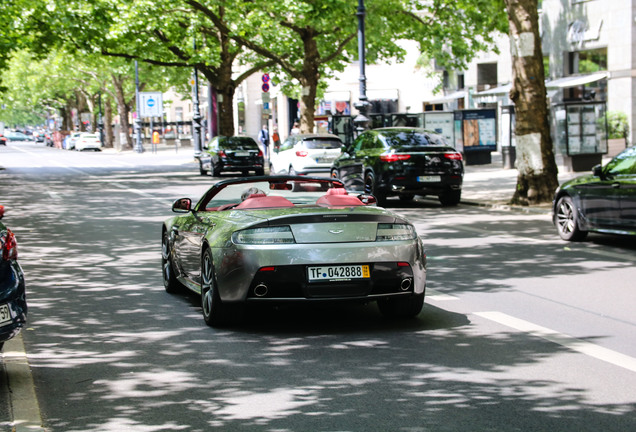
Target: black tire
(170, 282)
(370, 188)
(451, 197)
(402, 306)
(213, 171)
(215, 312)
(202, 171)
(406, 197)
(259, 172)
(567, 220)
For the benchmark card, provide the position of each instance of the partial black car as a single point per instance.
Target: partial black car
(604, 201)
(238, 154)
(13, 305)
(402, 162)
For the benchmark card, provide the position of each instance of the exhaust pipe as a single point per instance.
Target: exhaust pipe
(260, 290)
(406, 284)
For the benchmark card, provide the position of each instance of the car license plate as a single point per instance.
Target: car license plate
(431, 178)
(241, 154)
(5, 314)
(340, 272)
(324, 159)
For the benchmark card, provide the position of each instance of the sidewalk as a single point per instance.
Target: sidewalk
(492, 185)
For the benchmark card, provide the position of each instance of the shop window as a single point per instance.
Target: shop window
(589, 61)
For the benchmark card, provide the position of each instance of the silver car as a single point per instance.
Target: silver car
(284, 239)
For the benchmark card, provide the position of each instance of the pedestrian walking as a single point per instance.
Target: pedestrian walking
(263, 138)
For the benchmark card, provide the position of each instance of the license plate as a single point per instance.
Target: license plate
(431, 178)
(5, 314)
(340, 272)
(242, 154)
(324, 159)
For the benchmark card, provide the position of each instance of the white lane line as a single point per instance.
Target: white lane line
(431, 294)
(590, 349)
(24, 403)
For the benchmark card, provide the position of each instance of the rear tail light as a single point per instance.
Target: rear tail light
(264, 236)
(9, 246)
(392, 157)
(453, 156)
(395, 232)
(301, 153)
(222, 154)
(260, 153)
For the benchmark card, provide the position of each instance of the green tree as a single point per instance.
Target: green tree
(310, 41)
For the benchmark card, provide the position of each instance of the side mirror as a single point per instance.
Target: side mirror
(182, 205)
(368, 199)
(597, 171)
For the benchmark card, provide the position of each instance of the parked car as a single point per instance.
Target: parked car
(3, 140)
(88, 141)
(604, 201)
(305, 153)
(286, 239)
(13, 305)
(238, 153)
(401, 162)
(69, 141)
(17, 136)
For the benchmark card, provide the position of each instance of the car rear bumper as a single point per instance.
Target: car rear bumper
(239, 270)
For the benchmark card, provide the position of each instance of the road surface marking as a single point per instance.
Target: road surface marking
(431, 294)
(590, 349)
(24, 403)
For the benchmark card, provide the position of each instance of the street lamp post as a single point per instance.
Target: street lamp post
(139, 148)
(361, 120)
(100, 119)
(196, 114)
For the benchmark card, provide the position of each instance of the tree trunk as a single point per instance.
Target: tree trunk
(108, 122)
(309, 81)
(537, 179)
(123, 111)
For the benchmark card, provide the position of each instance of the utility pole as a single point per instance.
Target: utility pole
(361, 121)
(139, 148)
(100, 119)
(196, 114)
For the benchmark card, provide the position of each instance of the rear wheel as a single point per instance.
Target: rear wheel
(260, 172)
(401, 307)
(451, 197)
(202, 171)
(567, 222)
(215, 312)
(170, 282)
(407, 197)
(370, 187)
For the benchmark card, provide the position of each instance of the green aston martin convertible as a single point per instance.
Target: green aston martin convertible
(285, 239)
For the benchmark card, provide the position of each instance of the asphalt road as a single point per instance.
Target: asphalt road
(520, 331)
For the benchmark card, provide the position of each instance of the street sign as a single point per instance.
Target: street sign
(150, 104)
(265, 78)
(265, 87)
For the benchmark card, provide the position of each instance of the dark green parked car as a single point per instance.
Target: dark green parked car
(401, 162)
(604, 201)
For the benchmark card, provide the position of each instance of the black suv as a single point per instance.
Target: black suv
(401, 162)
(237, 153)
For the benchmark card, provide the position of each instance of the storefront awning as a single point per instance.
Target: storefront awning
(575, 81)
(501, 90)
(448, 98)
